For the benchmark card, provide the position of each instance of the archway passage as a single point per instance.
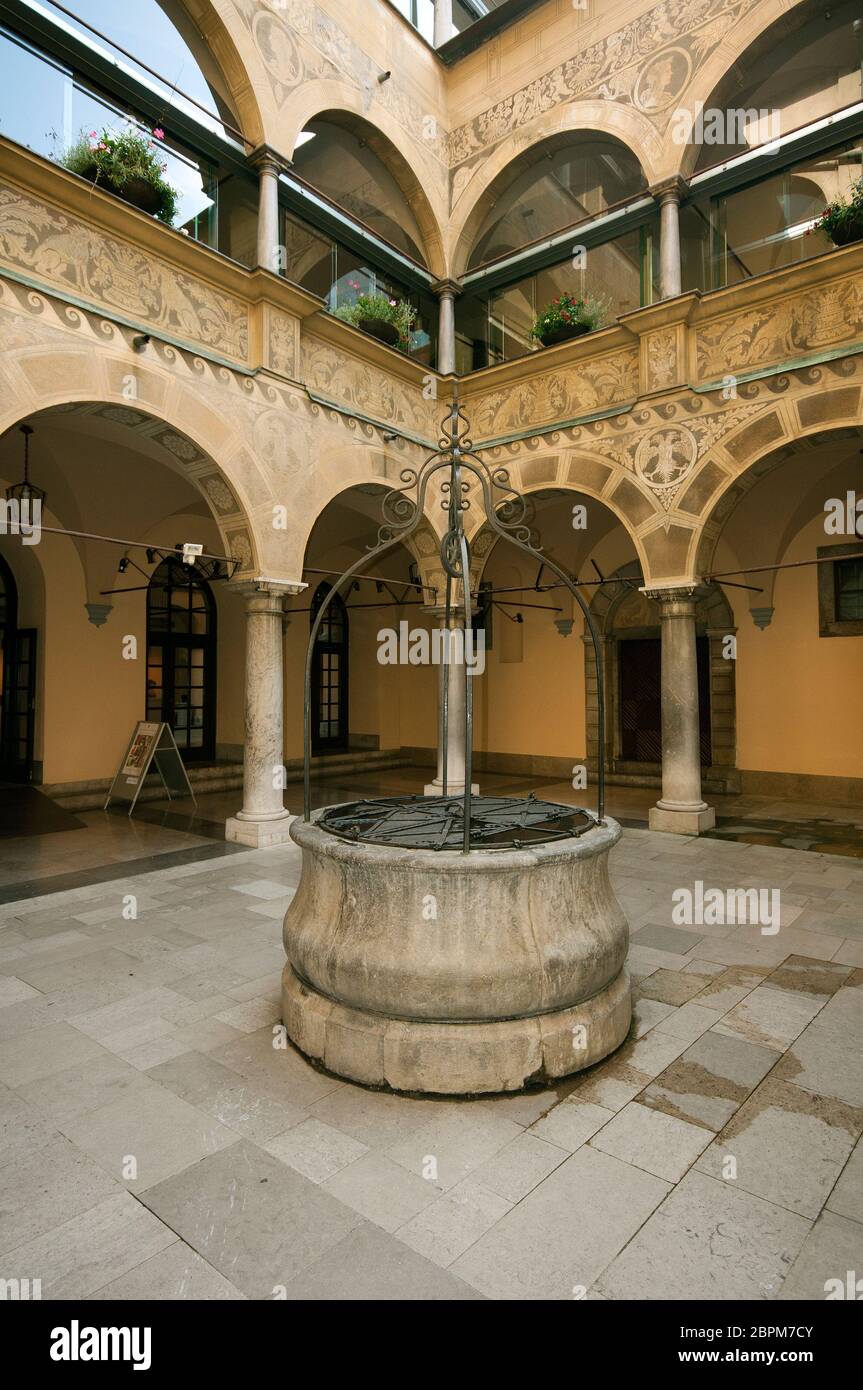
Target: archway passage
(181, 657)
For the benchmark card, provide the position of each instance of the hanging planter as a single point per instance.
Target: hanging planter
(380, 329)
(567, 317)
(842, 220)
(388, 320)
(127, 165)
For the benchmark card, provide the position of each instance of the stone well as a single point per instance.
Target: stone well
(444, 972)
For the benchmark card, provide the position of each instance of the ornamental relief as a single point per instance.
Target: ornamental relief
(662, 358)
(301, 44)
(647, 64)
(371, 391)
(664, 455)
(284, 343)
(815, 319)
(70, 256)
(559, 395)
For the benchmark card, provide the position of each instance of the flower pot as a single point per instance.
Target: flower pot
(564, 333)
(139, 192)
(382, 330)
(850, 230)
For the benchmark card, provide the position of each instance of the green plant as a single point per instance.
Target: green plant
(842, 218)
(567, 311)
(397, 312)
(115, 159)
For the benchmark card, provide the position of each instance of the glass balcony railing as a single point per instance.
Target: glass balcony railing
(47, 107)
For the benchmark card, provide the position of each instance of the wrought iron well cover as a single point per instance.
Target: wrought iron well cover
(437, 822)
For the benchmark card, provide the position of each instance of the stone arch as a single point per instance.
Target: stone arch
(619, 607)
(216, 21)
(412, 168)
(192, 451)
(745, 32)
(475, 184)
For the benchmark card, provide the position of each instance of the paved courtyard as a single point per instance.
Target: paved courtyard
(154, 1144)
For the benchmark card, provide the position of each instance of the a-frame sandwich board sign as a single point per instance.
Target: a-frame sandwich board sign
(150, 744)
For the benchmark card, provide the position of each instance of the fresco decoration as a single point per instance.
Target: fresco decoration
(72, 257)
(558, 395)
(647, 63)
(661, 359)
(807, 322)
(283, 343)
(300, 43)
(369, 390)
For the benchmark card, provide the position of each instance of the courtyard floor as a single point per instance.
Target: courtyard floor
(155, 1145)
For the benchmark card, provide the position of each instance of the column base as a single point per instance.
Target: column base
(452, 789)
(689, 821)
(259, 834)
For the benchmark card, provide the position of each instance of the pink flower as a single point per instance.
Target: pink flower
(159, 133)
(93, 134)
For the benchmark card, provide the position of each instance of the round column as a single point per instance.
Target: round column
(456, 709)
(668, 195)
(681, 807)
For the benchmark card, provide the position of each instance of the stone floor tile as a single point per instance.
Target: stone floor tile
(254, 1219)
(91, 1249)
(827, 1064)
(454, 1222)
(371, 1265)
(710, 1080)
(789, 1146)
(376, 1118)
(254, 1055)
(44, 1051)
(382, 1191)
(565, 1232)
(646, 1013)
(175, 1273)
(846, 1199)
(673, 986)
(830, 1262)
(248, 1017)
(453, 1145)
(55, 1183)
(652, 1140)
(688, 1022)
(571, 1124)
(13, 991)
(254, 1109)
(161, 1132)
(520, 1167)
(674, 939)
(770, 1017)
(66, 1095)
(316, 1150)
(24, 1127)
(708, 1240)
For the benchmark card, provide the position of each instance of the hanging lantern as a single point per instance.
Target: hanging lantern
(26, 491)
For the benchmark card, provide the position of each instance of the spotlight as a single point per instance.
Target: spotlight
(151, 556)
(140, 341)
(123, 565)
(384, 76)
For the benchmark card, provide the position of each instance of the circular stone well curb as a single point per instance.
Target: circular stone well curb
(448, 973)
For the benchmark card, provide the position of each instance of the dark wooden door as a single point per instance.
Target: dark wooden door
(640, 695)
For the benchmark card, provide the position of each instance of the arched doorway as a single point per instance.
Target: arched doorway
(181, 657)
(330, 675)
(17, 685)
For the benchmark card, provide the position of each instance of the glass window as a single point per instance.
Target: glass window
(339, 275)
(766, 225)
(849, 590)
(495, 326)
(551, 187)
(342, 165)
(163, 36)
(807, 65)
(47, 108)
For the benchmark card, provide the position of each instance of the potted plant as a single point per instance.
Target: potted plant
(568, 317)
(126, 163)
(842, 219)
(388, 320)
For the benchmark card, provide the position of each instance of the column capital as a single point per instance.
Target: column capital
(670, 190)
(262, 587)
(268, 161)
(447, 287)
(671, 593)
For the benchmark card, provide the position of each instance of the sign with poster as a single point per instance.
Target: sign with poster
(150, 745)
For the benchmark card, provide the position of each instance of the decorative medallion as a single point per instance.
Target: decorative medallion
(665, 457)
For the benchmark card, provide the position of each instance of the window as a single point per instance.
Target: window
(342, 165)
(840, 590)
(330, 675)
(554, 185)
(181, 657)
